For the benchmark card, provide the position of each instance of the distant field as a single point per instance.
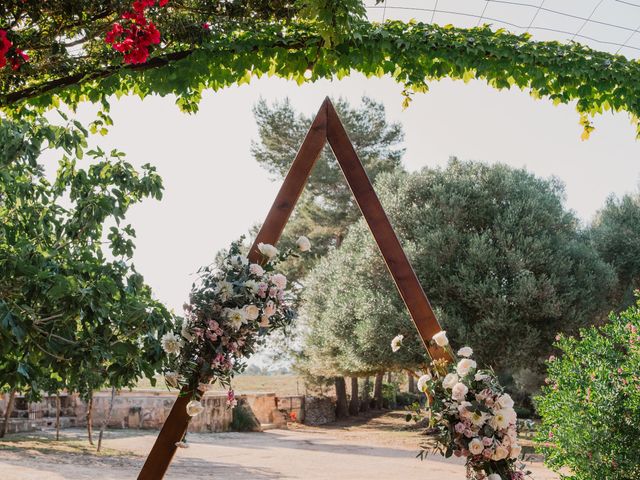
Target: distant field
(280, 384)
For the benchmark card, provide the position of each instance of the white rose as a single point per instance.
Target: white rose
(186, 333)
(267, 250)
(459, 391)
(450, 380)
(171, 343)
(396, 343)
(465, 366)
(505, 401)
(422, 382)
(251, 312)
(303, 243)
(475, 446)
(494, 476)
(238, 261)
(172, 379)
(235, 317)
(194, 408)
(256, 270)
(441, 339)
(465, 352)
(515, 451)
(279, 280)
(252, 286)
(500, 454)
(224, 289)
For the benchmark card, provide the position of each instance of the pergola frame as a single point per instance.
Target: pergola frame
(326, 127)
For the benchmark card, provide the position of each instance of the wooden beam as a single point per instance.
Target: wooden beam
(397, 262)
(325, 127)
(294, 183)
(177, 422)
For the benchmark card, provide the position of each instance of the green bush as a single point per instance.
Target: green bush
(590, 407)
(389, 391)
(406, 399)
(243, 419)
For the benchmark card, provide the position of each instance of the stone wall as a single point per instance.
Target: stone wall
(148, 409)
(319, 410)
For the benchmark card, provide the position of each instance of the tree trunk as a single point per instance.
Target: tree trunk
(107, 418)
(389, 377)
(7, 413)
(377, 390)
(354, 405)
(412, 382)
(365, 405)
(342, 410)
(90, 418)
(57, 416)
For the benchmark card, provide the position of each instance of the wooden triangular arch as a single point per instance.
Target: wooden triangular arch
(326, 127)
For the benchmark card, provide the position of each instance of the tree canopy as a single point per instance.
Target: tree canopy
(71, 314)
(616, 235)
(497, 253)
(211, 45)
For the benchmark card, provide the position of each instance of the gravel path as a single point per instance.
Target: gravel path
(375, 449)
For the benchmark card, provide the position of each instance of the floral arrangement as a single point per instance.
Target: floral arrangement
(472, 415)
(231, 309)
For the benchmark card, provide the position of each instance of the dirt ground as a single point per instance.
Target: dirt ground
(373, 448)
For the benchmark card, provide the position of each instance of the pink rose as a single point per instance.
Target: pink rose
(256, 269)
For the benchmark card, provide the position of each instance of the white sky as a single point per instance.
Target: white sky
(214, 190)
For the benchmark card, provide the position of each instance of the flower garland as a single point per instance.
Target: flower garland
(230, 311)
(473, 416)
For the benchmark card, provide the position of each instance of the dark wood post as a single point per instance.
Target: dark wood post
(325, 127)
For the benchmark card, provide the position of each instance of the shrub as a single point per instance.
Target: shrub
(406, 399)
(590, 407)
(389, 392)
(243, 419)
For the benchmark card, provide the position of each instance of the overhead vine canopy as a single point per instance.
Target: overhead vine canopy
(214, 44)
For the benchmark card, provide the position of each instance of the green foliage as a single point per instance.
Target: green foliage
(69, 316)
(413, 54)
(351, 311)
(616, 235)
(591, 406)
(406, 399)
(497, 254)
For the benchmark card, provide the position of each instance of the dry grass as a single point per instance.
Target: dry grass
(278, 384)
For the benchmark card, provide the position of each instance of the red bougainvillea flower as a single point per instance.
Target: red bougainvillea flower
(137, 34)
(135, 39)
(140, 6)
(19, 58)
(5, 45)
